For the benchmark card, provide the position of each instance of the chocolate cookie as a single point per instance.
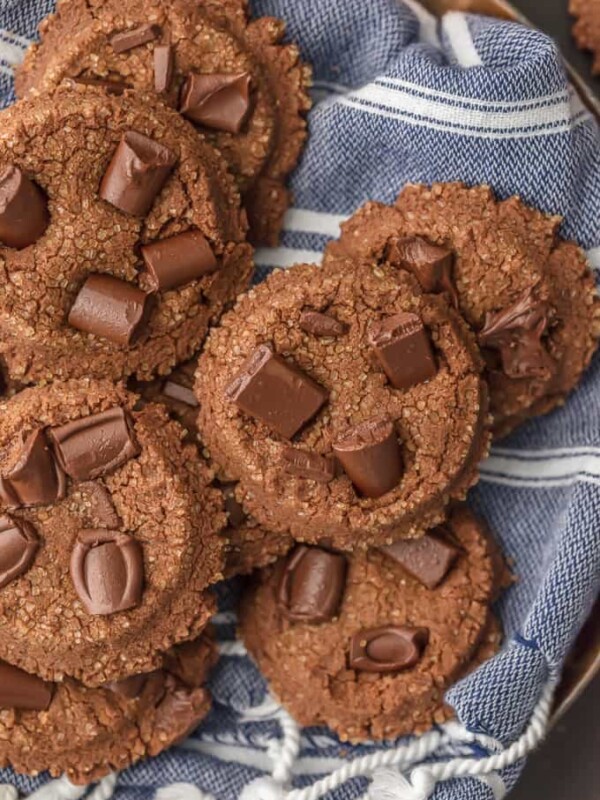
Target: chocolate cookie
(586, 29)
(87, 733)
(347, 403)
(109, 534)
(367, 643)
(230, 76)
(143, 243)
(249, 545)
(528, 294)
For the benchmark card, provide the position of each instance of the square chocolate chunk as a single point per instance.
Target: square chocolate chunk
(402, 347)
(276, 392)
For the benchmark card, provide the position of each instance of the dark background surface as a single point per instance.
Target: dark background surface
(567, 766)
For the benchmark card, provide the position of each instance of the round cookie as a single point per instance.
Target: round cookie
(367, 643)
(87, 733)
(530, 295)
(586, 29)
(154, 45)
(295, 375)
(109, 534)
(249, 545)
(97, 294)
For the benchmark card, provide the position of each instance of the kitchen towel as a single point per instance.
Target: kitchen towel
(399, 97)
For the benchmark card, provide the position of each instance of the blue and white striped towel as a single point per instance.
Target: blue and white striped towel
(400, 98)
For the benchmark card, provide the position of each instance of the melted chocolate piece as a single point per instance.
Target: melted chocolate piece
(18, 545)
(276, 392)
(427, 559)
(319, 324)
(127, 40)
(517, 333)
(23, 691)
(137, 172)
(389, 648)
(312, 585)
(178, 260)
(431, 264)
(107, 570)
(23, 209)
(370, 455)
(112, 309)
(96, 445)
(36, 478)
(129, 688)
(217, 101)
(164, 62)
(305, 464)
(402, 347)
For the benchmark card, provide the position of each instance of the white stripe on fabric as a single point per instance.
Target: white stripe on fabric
(307, 765)
(386, 98)
(594, 257)
(232, 648)
(542, 472)
(11, 36)
(427, 23)
(456, 27)
(11, 51)
(285, 256)
(563, 127)
(563, 96)
(303, 220)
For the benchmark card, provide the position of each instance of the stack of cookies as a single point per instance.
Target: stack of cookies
(160, 430)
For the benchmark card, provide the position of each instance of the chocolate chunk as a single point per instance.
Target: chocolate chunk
(163, 67)
(23, 209)
(129, 688)
(97, 508)
(107, 570)
(109, 86)
(136, 174)
(276, 392)
(235, 510)
(402, 347)
(112, 309)
(36, 478)
(178, 260)
(319, 324)
(308, 465)
(176, 391)
(93, 446)
(427, 559)
(191, 661)
(431, 264)
(18, 545)
(312, 585)
(389, 648)
(23, 691)
(517, 333)
(217, 101)
(370, 455)
(127, 40)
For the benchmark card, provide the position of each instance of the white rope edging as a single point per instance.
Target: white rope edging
(391, 784)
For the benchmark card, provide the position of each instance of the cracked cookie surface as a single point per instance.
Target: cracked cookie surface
(58, 619)
(307, 663)
(204, 39)
(503, 251)
(65, 145)
(87, 733)
(439, 423)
